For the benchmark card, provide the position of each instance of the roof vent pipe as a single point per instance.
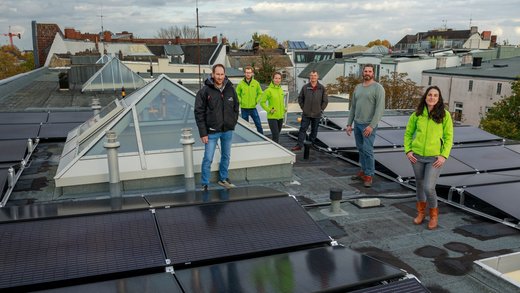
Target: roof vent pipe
(96, 106)
(477, 62)
(113, 164)
(187, 142)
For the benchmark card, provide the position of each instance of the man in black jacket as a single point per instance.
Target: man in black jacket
(313, 100)
(216, 113)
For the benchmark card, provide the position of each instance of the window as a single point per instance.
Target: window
(470, 86)
(429, 80)
(458, 111)
(499, 88)
(182, 70)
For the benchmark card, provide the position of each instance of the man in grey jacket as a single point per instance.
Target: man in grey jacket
(313, 100)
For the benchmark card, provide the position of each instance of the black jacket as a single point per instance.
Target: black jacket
(313, 101)
(216, 111)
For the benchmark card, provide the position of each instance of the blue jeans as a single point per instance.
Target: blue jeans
(226, 139)
(426, 178)
(306, 121)
(365, 147)
(256, 118)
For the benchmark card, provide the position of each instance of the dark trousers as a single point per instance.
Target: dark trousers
(306, 121)
(276, 126)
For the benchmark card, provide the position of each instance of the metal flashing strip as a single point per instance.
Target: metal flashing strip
(36, 253)
(214, 231)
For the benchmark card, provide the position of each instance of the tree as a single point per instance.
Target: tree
(265, 41)
(400, 91)
(184, 32)
(503, 119)
(378, 42)
(436, 42)
(345, 85)
(265, 70)
(13, 62)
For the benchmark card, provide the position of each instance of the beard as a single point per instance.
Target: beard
(367, 77)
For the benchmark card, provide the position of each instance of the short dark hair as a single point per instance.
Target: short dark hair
(277, 72)
(249, 67)
(218, 65)
(368, 65)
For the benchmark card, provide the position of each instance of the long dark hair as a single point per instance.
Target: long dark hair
(438, 113)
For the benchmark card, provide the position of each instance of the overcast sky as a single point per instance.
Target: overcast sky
(315, 22)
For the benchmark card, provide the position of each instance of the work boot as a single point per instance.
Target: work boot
(225, 183)
(421, 212)
(359, 176)
(367, 181)
(434, 218)
(296, 148)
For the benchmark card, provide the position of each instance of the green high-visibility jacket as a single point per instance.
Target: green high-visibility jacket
(248, 93)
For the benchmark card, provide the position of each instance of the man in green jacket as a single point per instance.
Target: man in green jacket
(367, 107)
(249, 93)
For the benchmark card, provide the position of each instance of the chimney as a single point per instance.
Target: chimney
(473, 30)
(477, 62)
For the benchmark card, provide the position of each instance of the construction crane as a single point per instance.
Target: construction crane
(11, 35)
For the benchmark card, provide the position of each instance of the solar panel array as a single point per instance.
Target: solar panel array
(477, 158)
(133, 244)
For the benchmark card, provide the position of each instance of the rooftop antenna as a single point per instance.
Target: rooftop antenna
(470, 20)
(102, 28)
(198, 40)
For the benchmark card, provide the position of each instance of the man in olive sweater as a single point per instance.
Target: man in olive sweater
(367, 107)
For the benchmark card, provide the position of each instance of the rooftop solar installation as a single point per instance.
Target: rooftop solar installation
(479, 178)
(396, 121)
(504, 196)
(3, 182)
(394, 136)
(487, 158)
(323, 269)
(401, 166)
(472, 134)
(341, 122)
(160, 282)
(194, 234)
(69, 117)
(23, 117)
(12, 150)
(212, 195)
(339, 140)
(406, 285)
(56, 130)
(19, 131)
(35, 253)
(73, 207)
(514, 147)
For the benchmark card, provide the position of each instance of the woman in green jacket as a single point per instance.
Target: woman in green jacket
(427, 142)
(273, 103)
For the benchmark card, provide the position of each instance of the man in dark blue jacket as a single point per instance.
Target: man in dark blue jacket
(216, 113)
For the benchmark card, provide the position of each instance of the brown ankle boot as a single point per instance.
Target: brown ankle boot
(434, 218)
(421, 212)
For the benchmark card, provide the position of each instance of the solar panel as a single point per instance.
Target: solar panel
(394, 136)
(503, 196)
(12, 150)
(406, 285)
(341, 141)
(215, 195)
(3, 182)
(487, 158)
(70, 117)
(73, 207)
(23, 117)
(479, 179)
(19, 131)
(401, 166)
(206, 232)
(514, 147)
(323, 269)
(160, 282)
(396, 121)
(56, 130)
(55, 250)
(341, 122)
(472, 134)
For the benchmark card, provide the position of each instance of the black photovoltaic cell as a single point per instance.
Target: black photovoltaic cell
(19, 131)
(69, 117)
(3, 182)
(465, 134)
(514, 147)
(56, 130)
(479, 179)
(23, 117)
(396, 121)
(401, 286)
(70, 208)
(487, 158)
(12, 150)
(154, 283)
(394, 136)
(219, 230)
(505, 196)
(324, 269)
(398, 163)
(54, 250)
(340, 140)
(212, 195)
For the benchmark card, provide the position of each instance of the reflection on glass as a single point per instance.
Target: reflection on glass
(125, 131)
(321, 264)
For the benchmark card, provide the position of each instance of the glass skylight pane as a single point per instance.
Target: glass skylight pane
(125, 130)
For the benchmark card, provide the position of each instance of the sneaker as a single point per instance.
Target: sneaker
(225, 183)
(367, 181)
(205, 187)
(359, 176)
(296, 148)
